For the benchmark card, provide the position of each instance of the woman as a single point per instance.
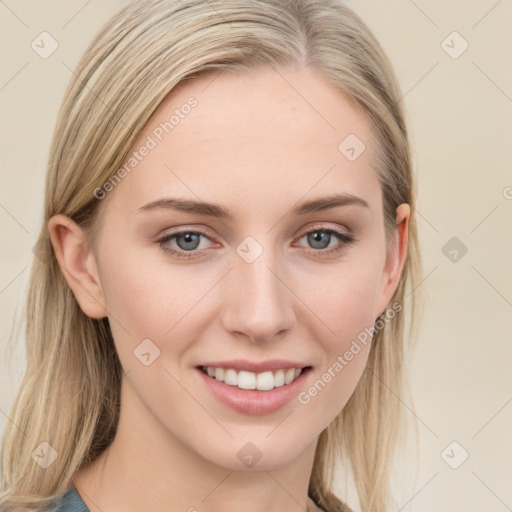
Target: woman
(216, 310)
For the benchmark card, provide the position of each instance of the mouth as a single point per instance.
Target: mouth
(253, 393)
(246, 380)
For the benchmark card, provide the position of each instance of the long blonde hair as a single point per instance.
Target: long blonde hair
(70, 394)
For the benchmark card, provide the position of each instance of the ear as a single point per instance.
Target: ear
(396, 257)
(78, 265)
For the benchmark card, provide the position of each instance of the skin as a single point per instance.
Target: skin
(257, 145)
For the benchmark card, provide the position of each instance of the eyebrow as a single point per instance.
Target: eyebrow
(215, 210)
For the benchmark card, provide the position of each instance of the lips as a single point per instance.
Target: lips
(252, 387)
(253, 401)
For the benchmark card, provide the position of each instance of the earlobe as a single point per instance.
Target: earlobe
(78, 265)
(396, 257)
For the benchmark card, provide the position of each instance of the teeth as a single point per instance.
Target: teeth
(230, 377)
(246, 380)
(279, 378)
(265, 381)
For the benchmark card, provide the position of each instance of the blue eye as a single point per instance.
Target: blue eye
(190, 240)
(187, 241)
(322, 242)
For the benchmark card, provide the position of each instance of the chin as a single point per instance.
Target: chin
(257, 453)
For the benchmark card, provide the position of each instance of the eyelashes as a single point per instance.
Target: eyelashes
(190, 236)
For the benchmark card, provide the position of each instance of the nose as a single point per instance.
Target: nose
(258, 300)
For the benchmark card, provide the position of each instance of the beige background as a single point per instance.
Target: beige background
(460, 115)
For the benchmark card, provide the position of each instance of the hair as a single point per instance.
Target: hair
(70, 393)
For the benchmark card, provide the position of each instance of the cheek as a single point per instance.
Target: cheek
(346, 306)
(345, 358)
(150, 301)
(345, 301)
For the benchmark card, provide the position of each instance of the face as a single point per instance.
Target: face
(271, 284)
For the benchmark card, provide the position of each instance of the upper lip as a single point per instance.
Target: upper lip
(255, 367)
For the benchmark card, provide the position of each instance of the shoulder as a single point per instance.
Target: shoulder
(70, 501)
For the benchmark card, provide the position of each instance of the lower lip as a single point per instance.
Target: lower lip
(253, 401)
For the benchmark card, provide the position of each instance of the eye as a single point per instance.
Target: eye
(320, 238)
(187, 242)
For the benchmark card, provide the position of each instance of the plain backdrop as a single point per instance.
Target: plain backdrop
(454, 63)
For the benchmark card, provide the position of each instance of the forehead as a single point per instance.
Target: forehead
(269, 134)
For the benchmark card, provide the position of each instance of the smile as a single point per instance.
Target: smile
(242, 379)
(254, 393)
